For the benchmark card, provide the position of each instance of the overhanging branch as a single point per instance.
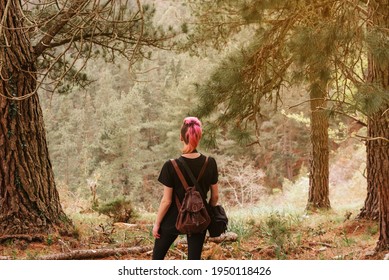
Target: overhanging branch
(44, 43)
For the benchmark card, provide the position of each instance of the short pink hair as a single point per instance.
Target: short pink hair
(191, 133)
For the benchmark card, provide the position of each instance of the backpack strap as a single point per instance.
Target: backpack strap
(203, 169)
(182, 178)
(180, 175)
(192, 177)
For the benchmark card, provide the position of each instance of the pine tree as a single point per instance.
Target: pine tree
(41, 45)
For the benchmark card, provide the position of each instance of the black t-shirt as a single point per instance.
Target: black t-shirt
(169, 178)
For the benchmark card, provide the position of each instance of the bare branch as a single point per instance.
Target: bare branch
(136, 48)
(305, 101)
(44, 43)
(3, 18)
(365, 138)
(347, 115)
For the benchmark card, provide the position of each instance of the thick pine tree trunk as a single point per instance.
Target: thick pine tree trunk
(377, 146)
(370, 210)
(318, 197)
(29, 201)
(378, 170)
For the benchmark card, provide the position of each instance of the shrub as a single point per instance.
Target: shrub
(120, 210)
(278, 231)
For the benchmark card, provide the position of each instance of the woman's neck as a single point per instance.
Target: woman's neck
(192, 154)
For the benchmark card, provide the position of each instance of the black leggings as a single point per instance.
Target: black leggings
(195, 245)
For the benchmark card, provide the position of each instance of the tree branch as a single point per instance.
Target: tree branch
(3, 19)
(364, 138)
(44, 43)
(136, 48)
(345, 114)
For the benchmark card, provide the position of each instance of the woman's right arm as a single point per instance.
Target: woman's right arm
(214, 195)
(163, 207)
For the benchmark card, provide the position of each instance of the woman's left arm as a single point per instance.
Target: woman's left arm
(166, 201)
(214, 195)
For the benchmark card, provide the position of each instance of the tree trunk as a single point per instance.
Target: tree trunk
(378, 170)
(318, 197)
(378, 131)
(370, 209)
(29, 201)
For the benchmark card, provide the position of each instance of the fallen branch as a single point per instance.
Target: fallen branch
(322, 244)
(226, 237)
(307, 248)
(130, 226)
(27, 237)
(96, 253)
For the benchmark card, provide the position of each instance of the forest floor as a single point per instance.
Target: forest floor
(275, 237)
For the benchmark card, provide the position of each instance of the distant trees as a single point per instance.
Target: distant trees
(43, 43)
(322, 44)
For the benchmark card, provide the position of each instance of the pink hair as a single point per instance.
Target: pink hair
(191, 133)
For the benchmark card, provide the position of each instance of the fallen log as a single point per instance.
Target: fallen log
(27, 237)
(225, 237)
(95, 253)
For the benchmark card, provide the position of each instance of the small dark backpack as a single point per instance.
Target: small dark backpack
(192, 216)
(219, 221)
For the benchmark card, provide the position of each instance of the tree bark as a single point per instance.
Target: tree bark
(318, 197)
(377, 146)
(29, 201)
(370, 210)
(378, 170)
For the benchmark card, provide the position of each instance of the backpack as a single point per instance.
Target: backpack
(192, 216)
(219, 221)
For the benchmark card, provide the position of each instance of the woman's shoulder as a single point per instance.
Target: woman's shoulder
(211, 159)
(168, 164)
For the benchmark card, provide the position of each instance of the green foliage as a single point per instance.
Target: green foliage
(240, 227)
(49, 240)
(278, 231)
(184, 28)
(347, 240)
(378, 43)
(242, 137)
(120, 210)
(371, 98)
(372, 230)
(226, 85)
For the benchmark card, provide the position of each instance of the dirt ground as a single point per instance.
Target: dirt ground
(352, 240)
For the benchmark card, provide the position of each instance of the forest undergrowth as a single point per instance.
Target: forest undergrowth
(271, 230)
(277, 227)
(278, 235)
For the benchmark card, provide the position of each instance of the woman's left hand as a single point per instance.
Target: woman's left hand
(156, 231)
